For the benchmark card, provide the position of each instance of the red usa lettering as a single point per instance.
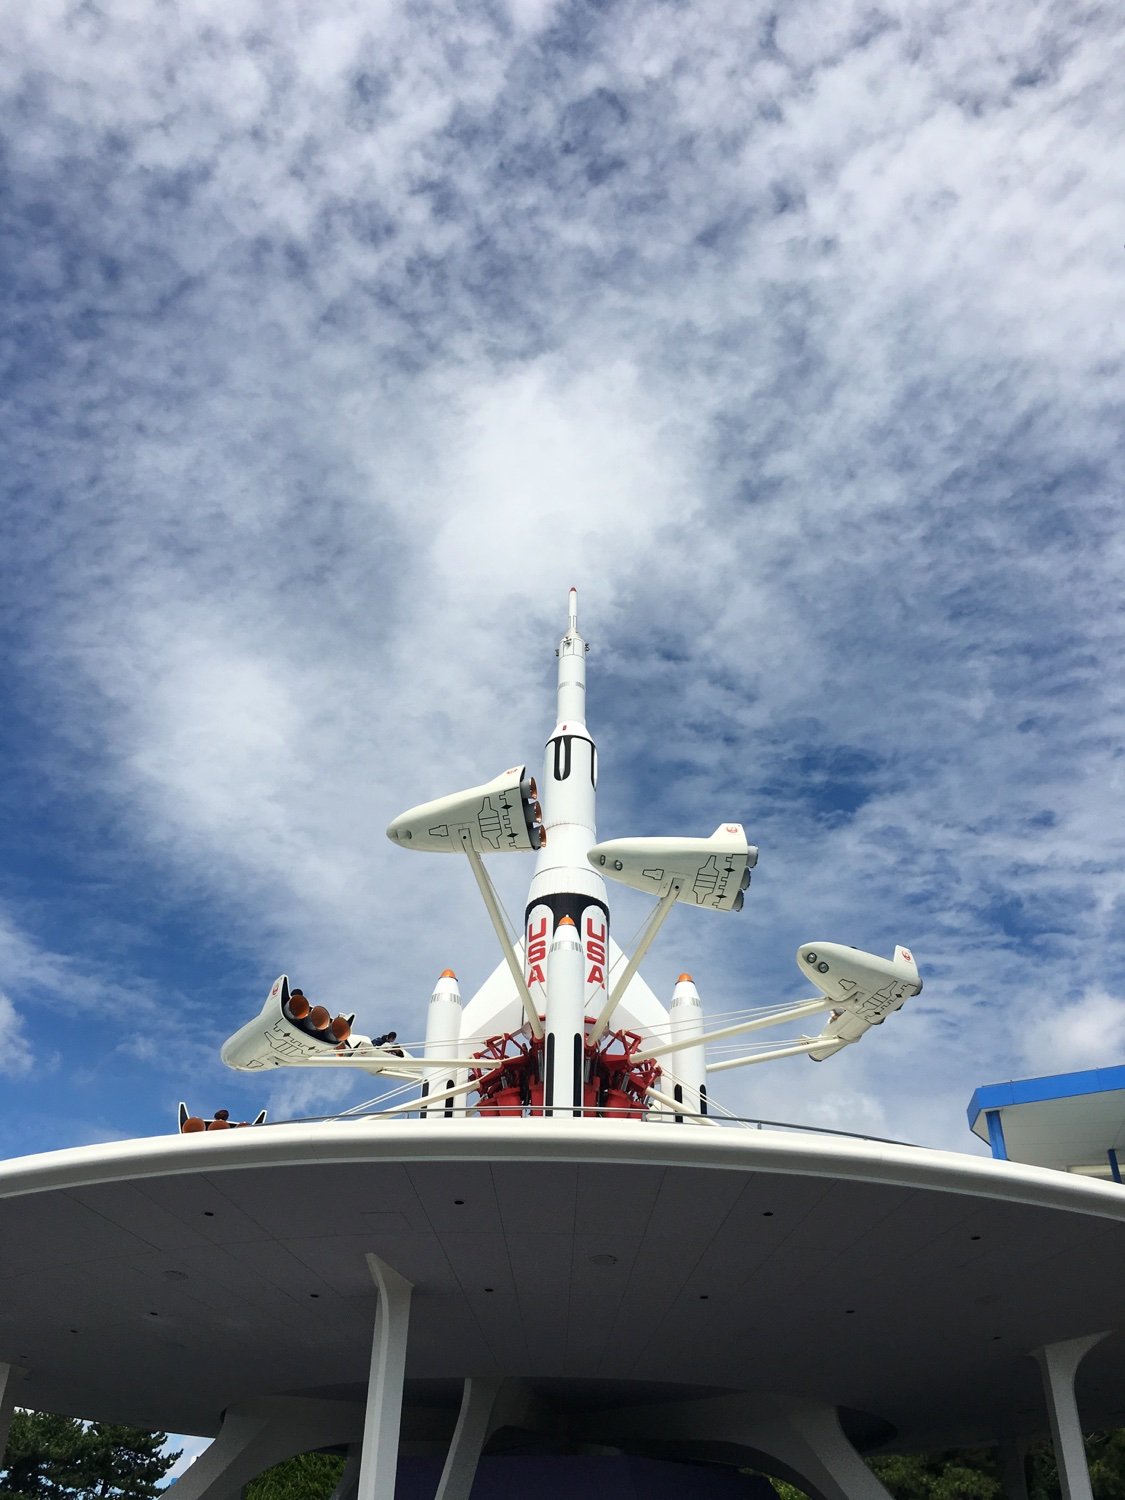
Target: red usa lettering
(537, 952)
(595, 951)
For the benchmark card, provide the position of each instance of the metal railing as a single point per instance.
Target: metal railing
(651, 1117)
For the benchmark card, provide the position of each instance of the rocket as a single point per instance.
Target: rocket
(443, 1034)
(686, 1072)
(567, 972)
(565, 1025)
(564, 1052)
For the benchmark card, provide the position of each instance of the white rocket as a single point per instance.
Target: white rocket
(443, 1036)
(567, 970)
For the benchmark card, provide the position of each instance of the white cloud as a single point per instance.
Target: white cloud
(1087, 1032)
(357, 338)
(16, 1054)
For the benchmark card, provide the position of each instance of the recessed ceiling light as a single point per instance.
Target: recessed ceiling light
(604, 1259)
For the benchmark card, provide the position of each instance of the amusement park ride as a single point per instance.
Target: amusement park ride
(565, 1025)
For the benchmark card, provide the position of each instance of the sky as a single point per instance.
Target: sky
(339, 340)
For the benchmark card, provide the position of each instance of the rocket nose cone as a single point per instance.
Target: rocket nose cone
(685, 979)
(812, 958)
(447, 987)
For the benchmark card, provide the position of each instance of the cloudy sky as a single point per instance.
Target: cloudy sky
(339, 339)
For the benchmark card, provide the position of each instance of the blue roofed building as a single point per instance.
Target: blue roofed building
(1074, 1122)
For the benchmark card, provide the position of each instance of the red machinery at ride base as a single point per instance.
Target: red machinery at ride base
(510, 1078)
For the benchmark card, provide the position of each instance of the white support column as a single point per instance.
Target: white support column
(1058, 1364)
(259, 1433)
(10, 1377)
(474, 1421)
(379, 1457)
(804, 1437)
(830, 1463)
(1013, 1467)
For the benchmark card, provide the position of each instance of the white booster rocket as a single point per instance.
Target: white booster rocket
(686, 1072)
(566, 972)
(443, 1035)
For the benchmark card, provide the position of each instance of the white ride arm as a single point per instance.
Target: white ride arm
(757, 1023)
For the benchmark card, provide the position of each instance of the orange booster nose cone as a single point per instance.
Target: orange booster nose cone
(447, 974)
(319, 1018)
(191, 1125)
(299, 1007)
(340, 1028)
(685, 979)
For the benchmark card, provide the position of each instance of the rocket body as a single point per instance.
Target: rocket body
(569, 784)
(564, 883)
(564, 1049)
(685, 1071)
(443, 1038)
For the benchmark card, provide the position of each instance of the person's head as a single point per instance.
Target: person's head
(392, 1036)
(222, 1114)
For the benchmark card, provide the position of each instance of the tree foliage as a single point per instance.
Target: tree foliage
(309, 1476)
(975, 1474)
(60, 1458)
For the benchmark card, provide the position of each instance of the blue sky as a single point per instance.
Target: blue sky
(339, 340)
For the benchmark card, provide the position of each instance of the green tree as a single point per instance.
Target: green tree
(309, 1476)
(37, 1444)
(975, 1474)
(66, 1459)
(972, 1475)
(118, 1463)
(1105, 1453)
